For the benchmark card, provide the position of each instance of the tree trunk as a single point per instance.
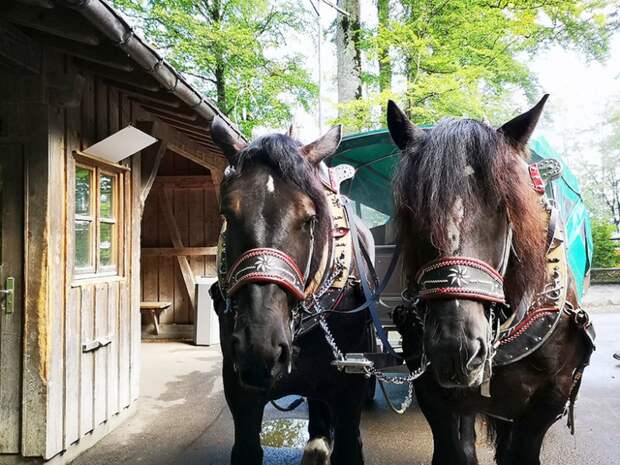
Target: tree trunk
(385, 63)
(348, 52)
(220, 86)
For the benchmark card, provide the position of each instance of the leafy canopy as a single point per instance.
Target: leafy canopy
(467, 57)
(235, 51)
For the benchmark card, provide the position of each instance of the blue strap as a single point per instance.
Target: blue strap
(371, 298)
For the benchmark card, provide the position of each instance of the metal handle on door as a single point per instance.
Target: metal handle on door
(8, 303)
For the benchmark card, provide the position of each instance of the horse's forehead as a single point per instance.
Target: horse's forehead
(261, 188)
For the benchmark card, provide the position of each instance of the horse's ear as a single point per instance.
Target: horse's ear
(518, 130)
(326, 145)
(292, 132)
(226, 139)
(403, 132)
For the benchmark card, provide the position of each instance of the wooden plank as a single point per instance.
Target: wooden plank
(100, 355)
(56, 267)
(12, 223)
(19, 49)
(175, 236)
(187, 148)
(158, 98)
(73, 295)
(134, 267)
(112, 349)
(190, 182)
(105, 55)
(87, 365)
(124, 340)
(181, 215)
(87, 127)
(34, 403)
(149, 264)
(182, 251)
(60, 22)
(197, 234)
(72, 368)
(136, 78)
(150, 161)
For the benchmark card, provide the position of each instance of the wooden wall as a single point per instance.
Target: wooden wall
(85, 389)
(197, 217)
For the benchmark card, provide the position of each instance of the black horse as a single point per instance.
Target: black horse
(278, 223)
(473, 227)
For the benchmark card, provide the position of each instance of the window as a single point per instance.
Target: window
(95, 223)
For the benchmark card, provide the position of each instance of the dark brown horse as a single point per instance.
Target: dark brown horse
(474, 234)
(278, 224)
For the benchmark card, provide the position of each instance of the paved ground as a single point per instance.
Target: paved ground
(182, 417)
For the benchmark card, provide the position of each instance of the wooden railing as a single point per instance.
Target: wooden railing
(605, 276)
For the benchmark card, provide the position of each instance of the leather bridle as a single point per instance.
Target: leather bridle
(460, 277)
(266, 265)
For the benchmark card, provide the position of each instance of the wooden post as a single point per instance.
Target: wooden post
(175, 236)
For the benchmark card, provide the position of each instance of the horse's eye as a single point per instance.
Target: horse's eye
(309, 222)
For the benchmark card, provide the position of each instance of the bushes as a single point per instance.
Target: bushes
(605, 254)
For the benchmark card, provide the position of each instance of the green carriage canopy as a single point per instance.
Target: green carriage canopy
(375, 157)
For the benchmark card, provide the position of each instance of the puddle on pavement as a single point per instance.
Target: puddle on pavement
(285, 432)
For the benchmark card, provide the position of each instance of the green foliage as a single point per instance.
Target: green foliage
(605, 254)
(464, 57)
(227, 47)
(600, 180)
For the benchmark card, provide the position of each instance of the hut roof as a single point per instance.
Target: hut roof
(101, 41)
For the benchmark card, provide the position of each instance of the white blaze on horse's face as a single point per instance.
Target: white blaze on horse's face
(454, 226)
(270, 185)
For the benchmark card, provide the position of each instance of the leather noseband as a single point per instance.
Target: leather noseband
(460, 278)
(266, 265)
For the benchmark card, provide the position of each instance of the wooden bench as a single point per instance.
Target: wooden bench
(154, 309)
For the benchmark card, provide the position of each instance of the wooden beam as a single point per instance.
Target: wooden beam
(105, 55)
(59, 22)
(177, 242)
(151, 158)
(41, 3)
(157, 98)
(186, 128)
(184, 115)
(176, 252)
(189, 149)
(198, 182)
(19, 49)
(217, 176)
(201, 129)
(136, 78)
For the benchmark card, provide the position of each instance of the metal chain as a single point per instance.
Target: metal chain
(372, 371)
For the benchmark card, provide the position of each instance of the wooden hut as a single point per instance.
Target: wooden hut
(71, 74)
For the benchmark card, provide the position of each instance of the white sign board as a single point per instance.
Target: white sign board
(121, 144)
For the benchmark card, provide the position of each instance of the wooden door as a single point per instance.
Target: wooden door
(11, 305)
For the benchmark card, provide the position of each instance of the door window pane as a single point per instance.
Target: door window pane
(83, 183)
(82, 244)
(106, 245)
(106, 193)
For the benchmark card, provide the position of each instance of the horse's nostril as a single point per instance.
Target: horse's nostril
(284, 354)
(478, 355)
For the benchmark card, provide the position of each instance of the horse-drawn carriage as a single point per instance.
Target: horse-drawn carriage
(374, 157)
(495, 248)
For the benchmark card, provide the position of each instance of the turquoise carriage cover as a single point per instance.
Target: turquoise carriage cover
(375, 157)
